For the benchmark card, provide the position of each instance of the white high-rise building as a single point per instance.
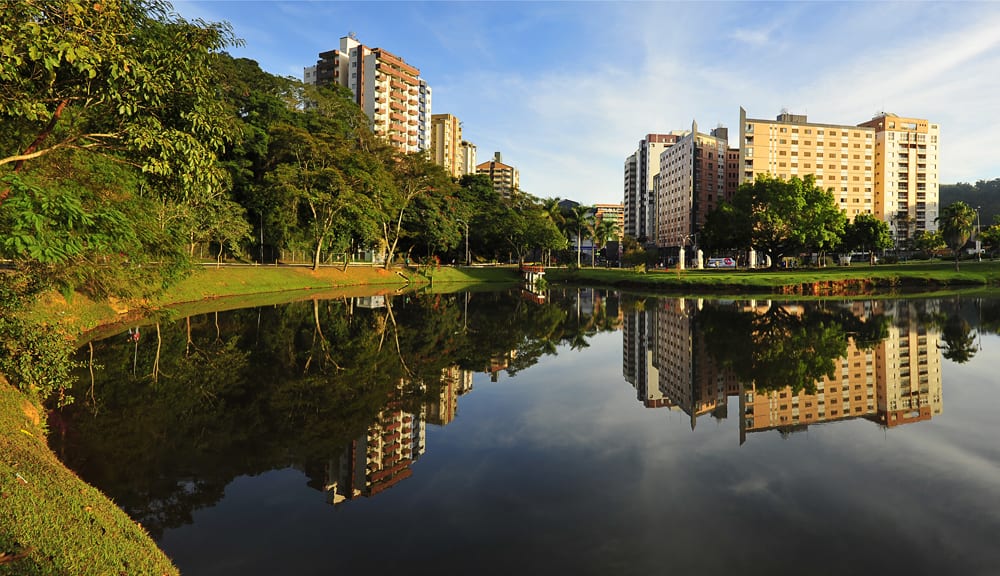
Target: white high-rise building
(641, 167)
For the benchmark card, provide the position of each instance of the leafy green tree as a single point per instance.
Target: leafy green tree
(928, 242)
(823, 221)
(991, 238)
(479, 205)
(308, 176)
(787, 216)
(956, 223)
(413, 175)
(867, 233)
(123, 77)
(256, 101)
(725, 228)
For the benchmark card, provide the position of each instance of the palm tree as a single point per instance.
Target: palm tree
(956, 223)
(553, 212)
(578, 220)
(602, 231)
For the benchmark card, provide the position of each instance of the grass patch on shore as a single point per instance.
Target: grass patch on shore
(53, 522)
(229, 287)
(925, 275)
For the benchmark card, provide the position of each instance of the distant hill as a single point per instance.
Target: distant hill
(985, 194)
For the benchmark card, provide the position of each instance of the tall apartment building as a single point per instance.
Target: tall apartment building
(390, 91)
(505, 177)
(467, 157)
(842, 158)
(640, 193)
(906, 173)
(446, 142)
(691, 183)
(631, 200)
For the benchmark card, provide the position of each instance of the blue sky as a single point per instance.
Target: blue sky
(565, 90)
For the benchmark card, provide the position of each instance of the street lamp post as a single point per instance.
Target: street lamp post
(467, 260)
(979, 240)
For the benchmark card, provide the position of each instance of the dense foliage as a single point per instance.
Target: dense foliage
(131, 145)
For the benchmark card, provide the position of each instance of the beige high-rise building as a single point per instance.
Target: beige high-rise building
(446, 141)
(906, 173)
(390, 91)
(467, 158)
(505, 177)
(842, 158)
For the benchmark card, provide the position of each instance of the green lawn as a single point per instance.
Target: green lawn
(59, 523)
(857, 278)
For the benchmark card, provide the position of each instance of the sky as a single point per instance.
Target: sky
(565, 90)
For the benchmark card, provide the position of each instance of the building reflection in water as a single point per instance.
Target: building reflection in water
(892, 382)
(396, 439)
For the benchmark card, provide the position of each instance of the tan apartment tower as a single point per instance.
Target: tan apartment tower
(446, 141)
(505, 177)
(390, 91)
(842, 158)
(906, 173)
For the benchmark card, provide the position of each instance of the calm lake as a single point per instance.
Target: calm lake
(570, 432)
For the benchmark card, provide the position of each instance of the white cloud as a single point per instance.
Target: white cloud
(566, 90)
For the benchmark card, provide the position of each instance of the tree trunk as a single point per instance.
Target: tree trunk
(319, 247)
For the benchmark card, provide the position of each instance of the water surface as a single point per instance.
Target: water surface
(570, 432)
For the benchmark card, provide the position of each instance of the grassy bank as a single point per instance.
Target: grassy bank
(231, 287)
(836, 280)
(53, 523)
(57, 522)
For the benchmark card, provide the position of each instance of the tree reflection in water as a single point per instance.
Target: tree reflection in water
(341, 389)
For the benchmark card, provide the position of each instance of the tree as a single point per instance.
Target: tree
(578, 219)
(956, 223)
(413, 175)
(867, 233)
(991, 238)
(308, 176)
(928, 242)
(602, 231)
(787, 216)
(123, 77)
(823, 221)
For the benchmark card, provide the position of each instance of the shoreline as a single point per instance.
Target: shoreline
(44, 494)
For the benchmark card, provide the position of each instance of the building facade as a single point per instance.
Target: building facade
(390, 91)
(691, 183)
(446, 142)
(467, 157)
(906, 173)
(842, 158)
(641, 168)
(505, 177)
